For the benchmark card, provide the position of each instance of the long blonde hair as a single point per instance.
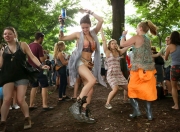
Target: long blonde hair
(58, 48)
(148, 25)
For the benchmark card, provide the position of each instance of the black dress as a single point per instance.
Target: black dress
(12, 69)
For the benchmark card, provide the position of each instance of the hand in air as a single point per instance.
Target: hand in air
(61, 20)
(85, 11)
(124, 32)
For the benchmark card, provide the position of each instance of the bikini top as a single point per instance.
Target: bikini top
(89, 46)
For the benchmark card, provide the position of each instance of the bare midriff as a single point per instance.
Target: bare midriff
(86, 55)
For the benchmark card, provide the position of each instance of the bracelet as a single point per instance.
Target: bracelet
(40, 66)
(123, 36)
(92, 13)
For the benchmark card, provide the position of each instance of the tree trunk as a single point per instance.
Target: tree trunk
(118, 12)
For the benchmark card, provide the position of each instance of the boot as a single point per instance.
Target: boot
(3, 126)
(27, 123)
(76, 108)
(86, 115)
(149, 110)
(135, 106)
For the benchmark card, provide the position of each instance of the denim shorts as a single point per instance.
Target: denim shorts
(175, 73)
(21, 82)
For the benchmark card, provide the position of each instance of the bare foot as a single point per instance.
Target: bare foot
(175, 107)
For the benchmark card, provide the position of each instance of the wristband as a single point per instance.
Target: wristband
(123, 36)
(40, 66)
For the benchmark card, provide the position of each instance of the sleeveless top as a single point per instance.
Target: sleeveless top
(12, 69)
(142, 57)
(175, 56)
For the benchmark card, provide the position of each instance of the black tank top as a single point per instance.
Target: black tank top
(12, 69)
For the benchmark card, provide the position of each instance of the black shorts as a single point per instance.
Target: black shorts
(175, 73)
(103, 72)
(42, 80)
(167, 73)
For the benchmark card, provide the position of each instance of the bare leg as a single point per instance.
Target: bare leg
(8, 90)
(125, 92)
(21, 91)
(45, 97)
(86, 74)
(175, 94)
(112, 94)
(169, 87)
(32, 96)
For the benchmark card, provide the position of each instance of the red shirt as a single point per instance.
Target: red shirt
(37, 50)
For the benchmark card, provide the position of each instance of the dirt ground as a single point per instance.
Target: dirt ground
(114, 120)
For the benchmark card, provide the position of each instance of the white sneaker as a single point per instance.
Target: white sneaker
(108, 106)
(16, 106)
(10, 108)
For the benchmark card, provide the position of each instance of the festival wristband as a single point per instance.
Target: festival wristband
(123, 36)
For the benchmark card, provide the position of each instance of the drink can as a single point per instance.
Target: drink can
(63, 13)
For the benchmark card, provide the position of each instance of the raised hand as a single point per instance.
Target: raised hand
(61, 20)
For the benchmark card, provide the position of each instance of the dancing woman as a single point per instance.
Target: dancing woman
(115, 77)
(80, 63)
(142, 82)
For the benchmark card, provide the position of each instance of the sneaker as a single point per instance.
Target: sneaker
(2, 126)
(10, 108)
(15, 106)
(27, 123)
(108, 106)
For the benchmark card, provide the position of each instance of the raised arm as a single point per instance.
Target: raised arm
(126, 43)
(99, 24)
(73, 36)
(123, 50)
(97, 17)
(104, 41)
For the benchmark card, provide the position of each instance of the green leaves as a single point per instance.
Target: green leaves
(163, 13)
(30, 16)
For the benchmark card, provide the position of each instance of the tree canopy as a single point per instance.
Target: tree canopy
(163, 13)
(30, 16)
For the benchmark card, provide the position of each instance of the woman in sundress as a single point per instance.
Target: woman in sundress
(115, 77)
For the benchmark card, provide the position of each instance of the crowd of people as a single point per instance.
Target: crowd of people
(147, 69)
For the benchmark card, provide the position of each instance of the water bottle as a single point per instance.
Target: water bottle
(63, 15)
(45, 72)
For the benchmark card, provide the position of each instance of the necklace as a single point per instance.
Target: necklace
(12, 57)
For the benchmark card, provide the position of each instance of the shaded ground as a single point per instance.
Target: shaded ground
(114, 120)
